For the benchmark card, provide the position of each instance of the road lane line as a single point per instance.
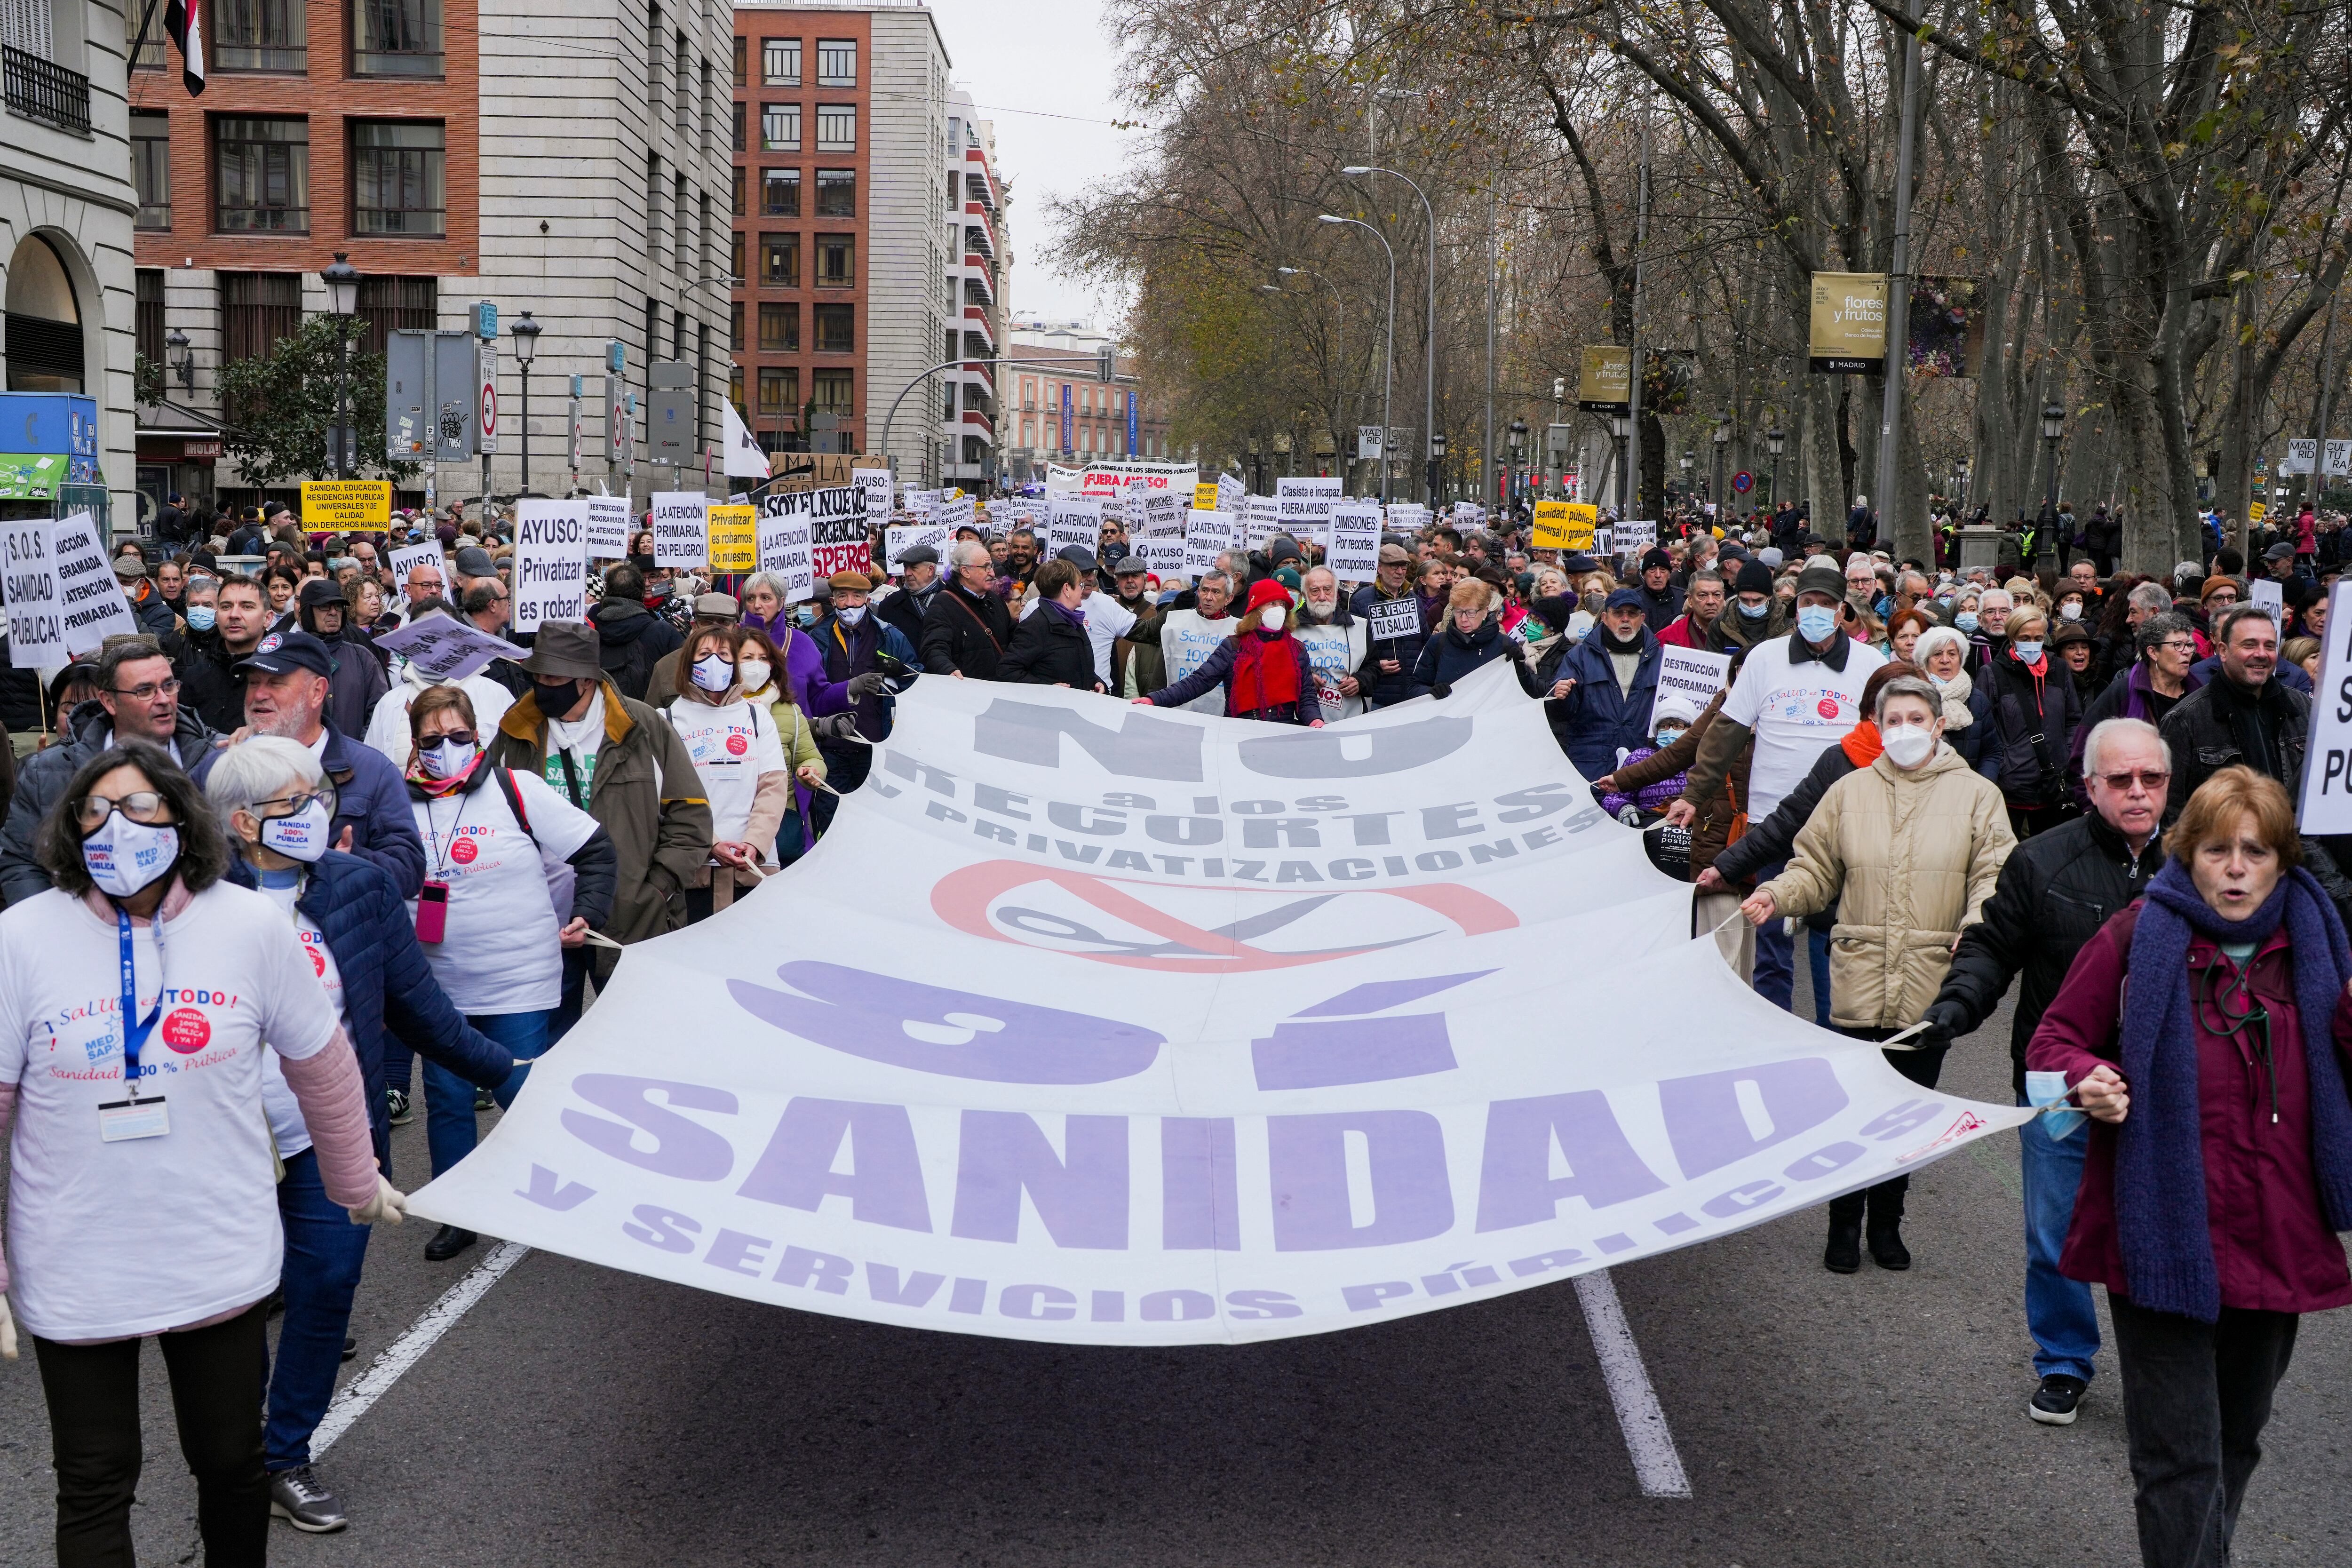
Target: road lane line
(1656, 1465)
(353, 1400)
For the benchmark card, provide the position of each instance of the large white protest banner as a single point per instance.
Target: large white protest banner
(1355, 553)
(1303, 505)
(90, 595)
(551, 562)
(2326, 804)
(447, 649)
(1691, 672)
(834, 519)
(1109, 478)
(37, 617)
(785, 549)
(608, 527)
(681, 521)
(1072, 520)
(409, 557)
(1103, 1025)
(1207, 535)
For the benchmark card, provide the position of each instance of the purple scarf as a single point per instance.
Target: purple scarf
(2162, 1221)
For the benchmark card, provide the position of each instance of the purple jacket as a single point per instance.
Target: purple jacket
(1652, 799)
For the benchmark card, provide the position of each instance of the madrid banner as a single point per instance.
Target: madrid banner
(1104, 1024)
(1849, 322)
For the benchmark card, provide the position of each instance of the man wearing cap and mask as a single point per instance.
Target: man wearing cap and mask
(1796, 696)
(147, 606)
(358, 681)
(1392, 657)
(287, 680)
(1611, 681)
(918, 584)
(613, 757)
(1661, 600)
(861, 652)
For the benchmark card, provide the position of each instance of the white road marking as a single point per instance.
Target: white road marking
(353, 1400)
(1656, 1465)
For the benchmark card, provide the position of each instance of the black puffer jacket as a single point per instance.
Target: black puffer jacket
(632, 639)
(2055, 891)
(965, 633)
(2035, 718)
(1052, 650)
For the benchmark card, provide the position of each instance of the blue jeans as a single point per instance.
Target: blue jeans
(2059, 1311)
(1776, 954)
(450, 1130)
(324, 1251)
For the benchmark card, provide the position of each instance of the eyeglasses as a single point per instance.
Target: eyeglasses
(141, 806)
(452, 737)
(2148, 779)
(297, 802)
(148, 692)
(2178, 647)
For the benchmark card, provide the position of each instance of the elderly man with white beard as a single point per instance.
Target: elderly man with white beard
(1338, 645)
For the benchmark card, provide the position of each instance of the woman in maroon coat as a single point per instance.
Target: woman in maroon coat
(2220, 1167)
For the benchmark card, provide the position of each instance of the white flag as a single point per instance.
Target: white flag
(744, 458)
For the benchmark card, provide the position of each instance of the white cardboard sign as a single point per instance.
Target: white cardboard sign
(447, 649)
(37, 621)
(681, 528)
(1691, 672)
(551, 572)
(89, 597)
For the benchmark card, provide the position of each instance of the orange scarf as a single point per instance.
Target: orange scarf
(1861, 744)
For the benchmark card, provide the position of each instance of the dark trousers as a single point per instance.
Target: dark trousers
(845, 767)
(578, 963)
(2196, 1399)
(1884, 1202)
(92, 1391)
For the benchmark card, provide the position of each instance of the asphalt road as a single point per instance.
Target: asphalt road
(581, 1417)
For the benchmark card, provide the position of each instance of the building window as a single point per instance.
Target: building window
(735, 327)
(836, 329)
(738, 127)
(779, 329)
(779, 261)
(837, 128)
(780, 62)
(398, 168)
(735, 259)
(832, 392)
(151, 313)
(837, 62)
(837, 261)
(262, 171)
(742, 52)
(779, 389)
(260, 35)
(780, 193)
(837, 192)
(256, 310)
(151, 168)
(780, 127)
(396, 38)
(735, 384)
(739, 190)
(386, 303)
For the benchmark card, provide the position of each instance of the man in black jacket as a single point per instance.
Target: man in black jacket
(967, 627)
(2056, 889)
(1661, 600)
(918, 585)
(630, 639)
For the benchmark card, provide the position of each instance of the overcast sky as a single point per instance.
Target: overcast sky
(1024, 65)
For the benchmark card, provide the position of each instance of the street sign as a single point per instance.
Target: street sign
(489, 401)
(1743, 481)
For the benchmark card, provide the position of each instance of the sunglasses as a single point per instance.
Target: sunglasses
(450, 737)
(2147, 779)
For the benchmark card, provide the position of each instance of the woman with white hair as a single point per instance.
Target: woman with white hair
(1943, 653)
(804, 662)
(347, 914)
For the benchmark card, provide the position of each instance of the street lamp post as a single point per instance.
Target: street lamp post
(1688, 458)
(342, 281)
(2054, 430)
(1518, 458)
(1772, 442)
(1722, 445)
(525, 333)
(1620, 427)
(1388, 375)
(1434, 444)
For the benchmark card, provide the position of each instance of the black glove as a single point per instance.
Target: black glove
(1936, 1033)
(1441, 689)
(836, 726)
(897, 669)
(866, 685)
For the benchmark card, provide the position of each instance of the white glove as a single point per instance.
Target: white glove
(390, 1205)
(7, 1332)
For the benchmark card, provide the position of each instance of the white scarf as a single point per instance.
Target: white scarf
(1957, 692)
(580, 736)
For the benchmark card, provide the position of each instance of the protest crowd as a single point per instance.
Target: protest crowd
(1930, 786)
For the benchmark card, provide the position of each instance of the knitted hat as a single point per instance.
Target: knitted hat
(1264, 592)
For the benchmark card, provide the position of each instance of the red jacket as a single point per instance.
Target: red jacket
(2273, 1248)
(1678, 634)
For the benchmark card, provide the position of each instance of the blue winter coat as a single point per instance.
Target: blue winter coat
(1406, 651)
(1595, 720)
(371, 800)
(388, 985)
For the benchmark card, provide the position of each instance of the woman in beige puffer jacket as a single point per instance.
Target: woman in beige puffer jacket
(1908, 854)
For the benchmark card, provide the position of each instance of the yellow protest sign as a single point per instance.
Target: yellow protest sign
(734, 538)
(2255, 510)
(1204, 497)
(347, 506)
(1551, 525)
(1581, 520)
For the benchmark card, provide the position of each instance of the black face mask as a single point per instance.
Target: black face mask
(556, 698)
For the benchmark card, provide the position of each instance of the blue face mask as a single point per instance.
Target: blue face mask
(2026, 652)
(1966, 620)
(1754, 612)
(1815, 623)
(200, 617)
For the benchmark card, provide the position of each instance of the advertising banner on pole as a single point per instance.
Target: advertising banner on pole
(1188, 1074)
(1849, 322)
(1604, 381)
(550, 570)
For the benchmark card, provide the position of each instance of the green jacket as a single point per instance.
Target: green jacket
(647, 795)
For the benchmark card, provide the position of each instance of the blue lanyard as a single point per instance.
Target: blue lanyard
(135, 1036)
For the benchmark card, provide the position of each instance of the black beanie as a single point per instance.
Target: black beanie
(1754, 578)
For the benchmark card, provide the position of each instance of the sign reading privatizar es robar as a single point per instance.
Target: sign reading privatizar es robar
(550, 570)
(1849, 322)
(347, 506)
(1145, 1026)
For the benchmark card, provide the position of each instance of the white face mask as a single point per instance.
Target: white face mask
(1271, 617)
(2070, 611)
(1909, 745)
(444, 761)
(303, 835)
(850, 615)
(123, 856)
(754, 672)
(713, 673)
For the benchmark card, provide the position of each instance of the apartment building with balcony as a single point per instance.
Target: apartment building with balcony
(841, 253)
(981, 263)
(65, 211)
(1059, 410)
(564, 157)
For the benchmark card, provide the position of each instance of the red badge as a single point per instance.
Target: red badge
(737, 745)
(187, 1031)
(1827, 708)
(464, 851)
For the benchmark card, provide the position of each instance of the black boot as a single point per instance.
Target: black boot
(1886, 1248)
(446, 1243)
(1843, 1253)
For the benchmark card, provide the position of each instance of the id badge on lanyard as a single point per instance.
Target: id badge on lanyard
(135, 1116)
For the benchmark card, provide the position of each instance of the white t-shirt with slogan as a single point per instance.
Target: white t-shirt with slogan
(107, 1240)
(498, 951)
(732, 744)
(1795, 711)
